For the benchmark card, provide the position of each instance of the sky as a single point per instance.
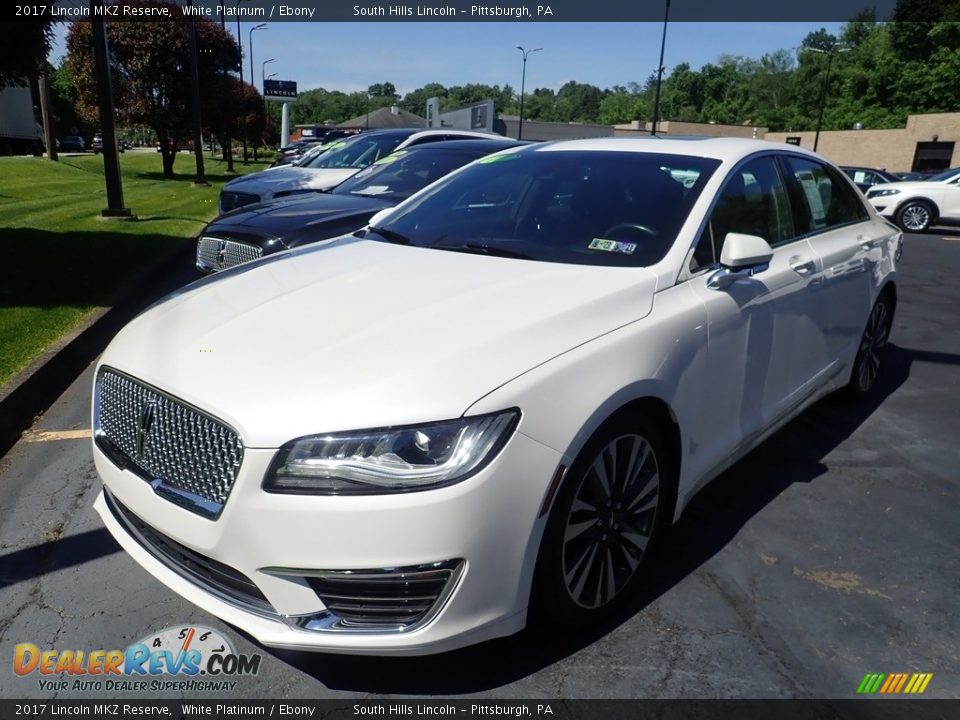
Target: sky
(353, 56)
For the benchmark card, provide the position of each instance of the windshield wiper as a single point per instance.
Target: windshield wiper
(485, 249)
(390, 235)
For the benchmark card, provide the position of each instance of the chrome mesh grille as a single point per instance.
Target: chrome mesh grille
(191, 458)
(232, 200)
(219, 253)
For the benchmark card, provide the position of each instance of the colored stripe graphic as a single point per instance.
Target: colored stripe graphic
(894, 683)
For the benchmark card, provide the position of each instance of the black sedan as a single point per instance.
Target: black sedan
(865, 178)
(253, 231)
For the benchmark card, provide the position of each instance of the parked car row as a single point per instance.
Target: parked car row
(328, 169)
(487, 405)
(256, 230)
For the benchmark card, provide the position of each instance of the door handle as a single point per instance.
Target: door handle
(801, 266)
(866, 243)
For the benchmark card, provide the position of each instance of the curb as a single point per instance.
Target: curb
(33, 390)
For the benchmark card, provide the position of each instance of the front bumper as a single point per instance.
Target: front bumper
(488, 523)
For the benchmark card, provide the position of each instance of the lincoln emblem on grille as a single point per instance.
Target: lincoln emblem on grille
(222, 253)
(144, 423)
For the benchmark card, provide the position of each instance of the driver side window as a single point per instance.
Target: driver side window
(753, 201)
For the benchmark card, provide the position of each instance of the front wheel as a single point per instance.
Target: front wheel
(611, 510)
(915, 216)
(866, 366)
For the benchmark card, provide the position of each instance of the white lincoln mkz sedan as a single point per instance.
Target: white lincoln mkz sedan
(489, 404)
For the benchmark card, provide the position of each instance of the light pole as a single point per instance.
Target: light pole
(830, 52)
(263, 84)
(523, 85)
(263, 70)
(663, 47)
(261, 26)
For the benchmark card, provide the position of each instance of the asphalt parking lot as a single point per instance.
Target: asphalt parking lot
(830, 552)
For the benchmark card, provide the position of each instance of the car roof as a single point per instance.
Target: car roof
(486, 146)
(454, 131)
(720, 148)
(389, 132)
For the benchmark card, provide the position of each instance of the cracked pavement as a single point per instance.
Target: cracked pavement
(831, 551)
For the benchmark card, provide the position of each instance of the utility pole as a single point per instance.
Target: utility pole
(201, 178)
(228, 145)
(111, 158)
(49, 136)
(663, 47)
(835, 48)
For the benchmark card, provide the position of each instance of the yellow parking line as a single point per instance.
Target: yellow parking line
(48, 435)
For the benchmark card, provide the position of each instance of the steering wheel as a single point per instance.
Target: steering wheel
(628, 226)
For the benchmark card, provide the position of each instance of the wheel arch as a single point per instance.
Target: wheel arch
(921, 199)
(651, 406)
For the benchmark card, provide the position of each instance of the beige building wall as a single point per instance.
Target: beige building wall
(673, 127)
(891, 150)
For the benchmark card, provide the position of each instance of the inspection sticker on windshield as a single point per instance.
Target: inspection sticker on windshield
(393, 157)
(498, 157)
(612, 246)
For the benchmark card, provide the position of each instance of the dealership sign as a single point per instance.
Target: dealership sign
(282, 90)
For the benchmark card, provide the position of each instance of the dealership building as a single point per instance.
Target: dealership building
(928, 142)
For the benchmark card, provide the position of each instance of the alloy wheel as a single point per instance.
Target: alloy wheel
(610, 521)
(874, 340)
(915, 218)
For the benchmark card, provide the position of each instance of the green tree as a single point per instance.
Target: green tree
(24, 47)
(150, 64)
(415, 101)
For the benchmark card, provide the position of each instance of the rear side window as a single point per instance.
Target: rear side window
(822, 198)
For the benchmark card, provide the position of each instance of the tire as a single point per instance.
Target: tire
(915, 216)
(866, 365)
(599, 536)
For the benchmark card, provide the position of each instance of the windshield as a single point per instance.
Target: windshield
(945, 175)
(357, 152)
(401, 174)
(583, 207)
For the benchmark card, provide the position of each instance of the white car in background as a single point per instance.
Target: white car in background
(490, 403)
(916, 205)
(331, 166)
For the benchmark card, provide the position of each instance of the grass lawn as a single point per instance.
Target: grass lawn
(61, 261)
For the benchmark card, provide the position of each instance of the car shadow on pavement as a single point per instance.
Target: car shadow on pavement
(37, 560)
(795, 454)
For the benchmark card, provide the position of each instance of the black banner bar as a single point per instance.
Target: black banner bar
(872, 709)
(473, 10)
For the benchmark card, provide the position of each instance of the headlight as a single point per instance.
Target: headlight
(882, 193)
(390, 460)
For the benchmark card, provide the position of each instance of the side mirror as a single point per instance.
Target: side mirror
(742, 256)
(379, 217)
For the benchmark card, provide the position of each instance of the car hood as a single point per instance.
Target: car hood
(910, 186)
(301, 216)
(286, 178)
(360, 334)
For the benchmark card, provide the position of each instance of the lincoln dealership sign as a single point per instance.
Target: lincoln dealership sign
(282, 90)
